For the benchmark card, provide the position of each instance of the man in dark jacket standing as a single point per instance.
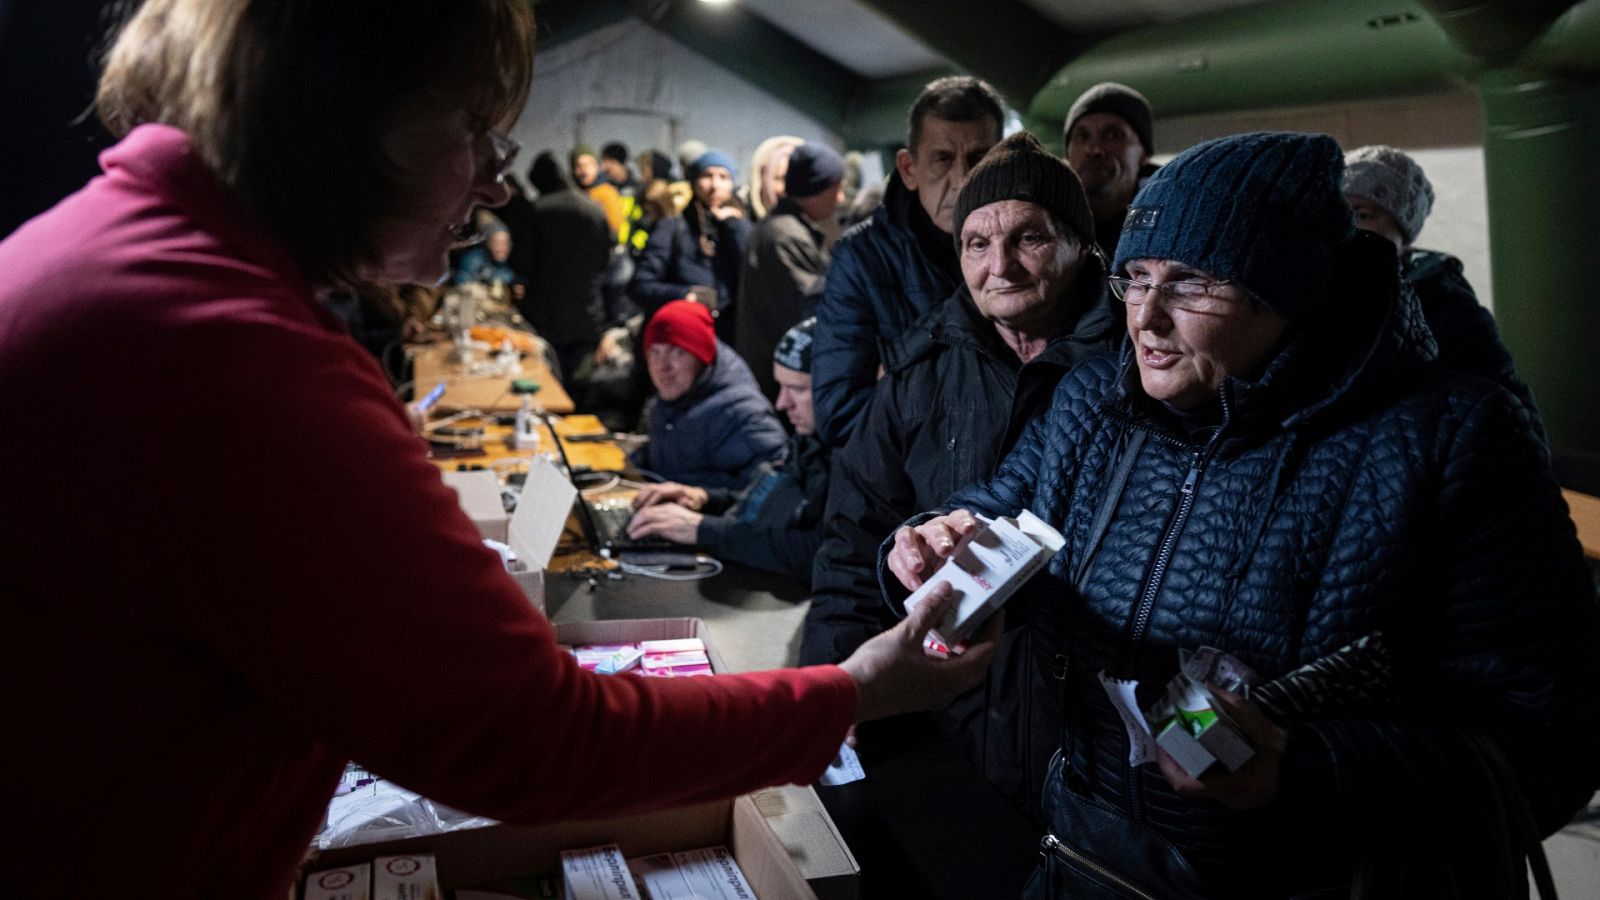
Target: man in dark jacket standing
(893, 268)
(787, 258)
(961, 386)
(773, 524)
(570, 245)
(1109, 138)
(699, 253)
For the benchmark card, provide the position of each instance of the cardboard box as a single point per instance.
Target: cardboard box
(481, 857)
(802, 823)
(633, 631)
(478, 492)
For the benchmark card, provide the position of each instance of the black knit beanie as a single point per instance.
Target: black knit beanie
(1118, 99)
(1019, 168)
(1264, 210)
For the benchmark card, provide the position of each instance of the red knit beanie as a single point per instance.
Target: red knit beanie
(686, 324)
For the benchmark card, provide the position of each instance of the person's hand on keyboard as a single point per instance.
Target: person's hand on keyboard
(685, 495)
(665, 520)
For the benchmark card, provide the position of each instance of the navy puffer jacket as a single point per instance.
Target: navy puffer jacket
(880, 281)
(718, 433)
(1356, 487)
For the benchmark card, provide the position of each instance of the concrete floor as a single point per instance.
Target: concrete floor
(1574, 854)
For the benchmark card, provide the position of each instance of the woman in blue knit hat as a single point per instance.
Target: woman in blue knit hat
(1278, 468)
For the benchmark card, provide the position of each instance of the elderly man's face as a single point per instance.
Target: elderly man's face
(1105, 152)
(946, 152)
(500, 245)
(672, 369)
(1018, 264)
(1184, 356)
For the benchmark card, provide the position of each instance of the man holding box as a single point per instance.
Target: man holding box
(960, 387)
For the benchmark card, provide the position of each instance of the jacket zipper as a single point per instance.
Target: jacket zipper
(1152, 587)
(1052, 844)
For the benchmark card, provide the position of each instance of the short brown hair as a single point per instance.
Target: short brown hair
(287, 101)
(956, 98)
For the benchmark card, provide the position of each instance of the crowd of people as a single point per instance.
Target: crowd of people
(1261, 418)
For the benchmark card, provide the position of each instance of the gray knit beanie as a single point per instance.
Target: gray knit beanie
(1264, 210)
(1119, 99)
(1393, 181)
(1019, 168)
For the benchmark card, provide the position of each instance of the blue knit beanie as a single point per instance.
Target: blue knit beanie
(1265, 210)
(794, 348)
(713, 159)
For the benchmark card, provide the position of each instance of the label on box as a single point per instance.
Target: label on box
(405, 878)
(673, 645)
(712, 874)
(987, 569)
(597, 873)
(348, 883)
(658, 877)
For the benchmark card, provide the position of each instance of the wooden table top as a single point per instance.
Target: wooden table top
(1586, 515)
(491, 393)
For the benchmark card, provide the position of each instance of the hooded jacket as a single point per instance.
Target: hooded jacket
(1356, 487)
(718, 433)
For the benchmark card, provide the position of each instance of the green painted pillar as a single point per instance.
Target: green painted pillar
(1541, 155)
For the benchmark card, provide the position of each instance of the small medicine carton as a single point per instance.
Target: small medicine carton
(405, 878)
(597, 873)
(347, 883)
(712, 874)
(1188, 726)
(986, 570)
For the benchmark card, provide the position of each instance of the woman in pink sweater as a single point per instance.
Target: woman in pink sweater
(243, 571)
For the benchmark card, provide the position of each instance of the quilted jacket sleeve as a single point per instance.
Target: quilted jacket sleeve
(1508, 647)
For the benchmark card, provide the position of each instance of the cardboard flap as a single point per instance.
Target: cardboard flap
(541, 513)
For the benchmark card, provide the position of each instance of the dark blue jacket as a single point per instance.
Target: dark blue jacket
(1466, 333)
(1356, 487)
(774, 524)
(717, 434)
(880, 281)
(673, 261)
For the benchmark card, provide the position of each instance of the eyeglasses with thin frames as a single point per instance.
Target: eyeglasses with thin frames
(504, 153)
(1200, 297)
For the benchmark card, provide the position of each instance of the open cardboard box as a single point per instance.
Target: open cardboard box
(532, 531)
(484, 856)
(749, 826)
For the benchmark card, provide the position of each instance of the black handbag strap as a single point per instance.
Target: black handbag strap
(1072, 710)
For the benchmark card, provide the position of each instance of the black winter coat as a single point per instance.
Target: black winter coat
(673, 261)
(881, 280)
(774, 524)
(1356, 487)
(954, 401)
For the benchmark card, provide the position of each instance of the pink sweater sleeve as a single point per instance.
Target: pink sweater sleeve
(346, 587)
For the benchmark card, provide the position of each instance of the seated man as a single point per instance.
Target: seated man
(1391, 196)
(491, 265)
(961, 386)
(772, 524)
(709, 425)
